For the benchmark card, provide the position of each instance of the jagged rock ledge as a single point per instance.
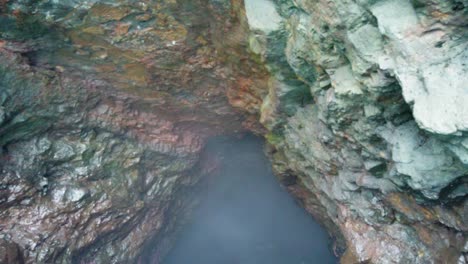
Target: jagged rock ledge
(367, 107)
(105, 108)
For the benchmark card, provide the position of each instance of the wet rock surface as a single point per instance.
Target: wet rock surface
(74, 189)
(245, 216)
(366, 108)
(105, 107)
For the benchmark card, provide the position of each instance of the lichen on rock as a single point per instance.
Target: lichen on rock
(389, 91)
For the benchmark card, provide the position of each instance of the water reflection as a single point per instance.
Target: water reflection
(246, 217)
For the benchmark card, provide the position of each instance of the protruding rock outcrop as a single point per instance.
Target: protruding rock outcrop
(104, 111)
(367, 104)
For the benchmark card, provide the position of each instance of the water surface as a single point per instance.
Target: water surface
(246, 217)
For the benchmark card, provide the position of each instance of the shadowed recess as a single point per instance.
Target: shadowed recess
(246, 217)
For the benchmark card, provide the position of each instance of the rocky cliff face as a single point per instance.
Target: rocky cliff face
(105, 107)
(367, 105)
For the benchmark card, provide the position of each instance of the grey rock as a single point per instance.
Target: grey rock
(2, 115)
(388, 83)
(63, 151)
(424, 160)
(74, 194)
(262, 15)
(433, 81)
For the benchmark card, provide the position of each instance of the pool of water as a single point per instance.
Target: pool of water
(246, 217)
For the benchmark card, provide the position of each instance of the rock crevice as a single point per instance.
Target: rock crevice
(379, 142)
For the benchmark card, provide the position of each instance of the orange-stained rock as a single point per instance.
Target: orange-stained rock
(106, 13)
(122, 28)
(121, 100)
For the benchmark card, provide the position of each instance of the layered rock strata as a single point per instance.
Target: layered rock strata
(104, 112)
(367, 106)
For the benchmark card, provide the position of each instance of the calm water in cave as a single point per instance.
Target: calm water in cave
(246, 217)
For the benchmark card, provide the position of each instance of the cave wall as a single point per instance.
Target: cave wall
(105, 107)
(367, 106)
(104, 113)
(75, 188)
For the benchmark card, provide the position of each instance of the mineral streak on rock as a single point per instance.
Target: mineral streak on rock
(105, 107)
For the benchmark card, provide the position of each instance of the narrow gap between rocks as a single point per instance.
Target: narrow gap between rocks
(245, 216)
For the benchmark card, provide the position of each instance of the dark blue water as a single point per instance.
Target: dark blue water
(245, 217)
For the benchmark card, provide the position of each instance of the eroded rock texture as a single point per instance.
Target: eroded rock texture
(367, 105)
(105, 108)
